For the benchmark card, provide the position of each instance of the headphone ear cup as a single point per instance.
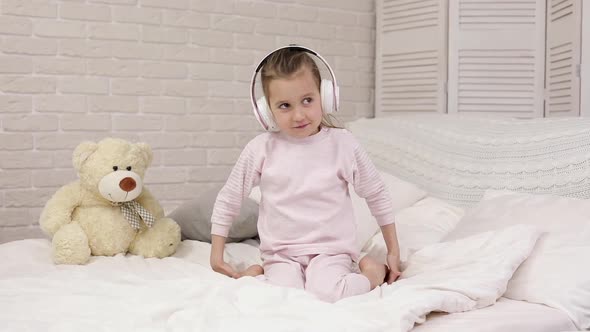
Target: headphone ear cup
(266, 115)
(327, 95)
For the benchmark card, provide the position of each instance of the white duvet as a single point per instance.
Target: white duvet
(181, 293)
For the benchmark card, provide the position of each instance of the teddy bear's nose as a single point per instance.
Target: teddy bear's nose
(127, 184)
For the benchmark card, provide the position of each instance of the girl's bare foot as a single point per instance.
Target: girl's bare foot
(251, 271)
(373, 270)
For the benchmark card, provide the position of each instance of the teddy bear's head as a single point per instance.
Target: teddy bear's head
(112, 167)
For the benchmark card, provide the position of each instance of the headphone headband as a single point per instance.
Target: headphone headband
(263, 61)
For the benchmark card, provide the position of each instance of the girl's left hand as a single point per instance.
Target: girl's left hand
(394, 268)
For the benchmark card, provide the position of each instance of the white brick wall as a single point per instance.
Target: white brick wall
(172, 73)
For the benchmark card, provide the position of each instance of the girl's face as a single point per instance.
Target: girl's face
(296, 104)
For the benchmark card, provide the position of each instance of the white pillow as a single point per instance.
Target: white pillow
(403, 194)
(557, 273)
(255, 194)
(501, 208)
(422, 224)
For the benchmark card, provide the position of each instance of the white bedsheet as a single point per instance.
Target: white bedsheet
(181, 293)
(504, 316)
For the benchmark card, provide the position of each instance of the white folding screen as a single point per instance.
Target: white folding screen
(496, 57)
(585, 70)
(563, 55)
(411, 56)
(519, 58)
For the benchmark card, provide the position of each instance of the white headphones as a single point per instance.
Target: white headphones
(329, 92)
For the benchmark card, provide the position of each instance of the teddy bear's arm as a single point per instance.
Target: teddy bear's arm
(58, 210)
(150, 203)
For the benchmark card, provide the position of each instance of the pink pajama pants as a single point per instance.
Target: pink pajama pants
(329, 277)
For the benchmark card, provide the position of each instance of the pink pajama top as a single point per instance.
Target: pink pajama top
(305, 207)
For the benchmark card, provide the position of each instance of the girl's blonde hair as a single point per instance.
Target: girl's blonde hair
(286, 62)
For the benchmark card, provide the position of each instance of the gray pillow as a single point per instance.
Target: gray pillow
(194, 218)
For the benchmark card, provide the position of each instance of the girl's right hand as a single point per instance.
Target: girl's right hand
(224, 268)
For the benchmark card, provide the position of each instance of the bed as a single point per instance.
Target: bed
(180, 293)
(466, 266)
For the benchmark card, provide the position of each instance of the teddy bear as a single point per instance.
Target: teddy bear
(108, 211)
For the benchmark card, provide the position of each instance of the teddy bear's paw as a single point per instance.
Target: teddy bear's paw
(70, 245)
(161, 240)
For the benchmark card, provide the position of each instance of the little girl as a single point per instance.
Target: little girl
(306, 222)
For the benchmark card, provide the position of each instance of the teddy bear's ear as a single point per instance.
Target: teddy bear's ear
(82, 152)
(146, 151)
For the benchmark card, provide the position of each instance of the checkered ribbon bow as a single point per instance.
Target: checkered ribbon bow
(133, 211)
